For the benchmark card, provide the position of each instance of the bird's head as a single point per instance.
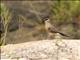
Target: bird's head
(46, 19)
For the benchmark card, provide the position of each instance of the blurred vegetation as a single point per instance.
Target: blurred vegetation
(67, 13)
(5, 20)
(23, 19)
(65, 10)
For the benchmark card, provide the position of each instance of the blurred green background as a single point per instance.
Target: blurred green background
(21, 21)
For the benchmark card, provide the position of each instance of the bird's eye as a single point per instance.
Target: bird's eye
(46, 19)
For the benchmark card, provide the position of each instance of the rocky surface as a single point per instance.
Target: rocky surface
(42, 50)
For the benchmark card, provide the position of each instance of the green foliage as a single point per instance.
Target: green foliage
(5, 20)
(64, 10)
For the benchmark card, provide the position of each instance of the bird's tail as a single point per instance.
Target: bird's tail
(63, 34)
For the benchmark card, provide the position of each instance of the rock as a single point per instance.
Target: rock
(42, 50)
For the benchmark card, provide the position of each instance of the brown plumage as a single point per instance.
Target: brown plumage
(55, 31)
(51, 29)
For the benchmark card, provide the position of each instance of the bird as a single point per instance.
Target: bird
(52, 30)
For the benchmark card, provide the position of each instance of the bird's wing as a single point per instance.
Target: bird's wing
(54, 30)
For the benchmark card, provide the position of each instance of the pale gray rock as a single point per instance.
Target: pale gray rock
(42, 50)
